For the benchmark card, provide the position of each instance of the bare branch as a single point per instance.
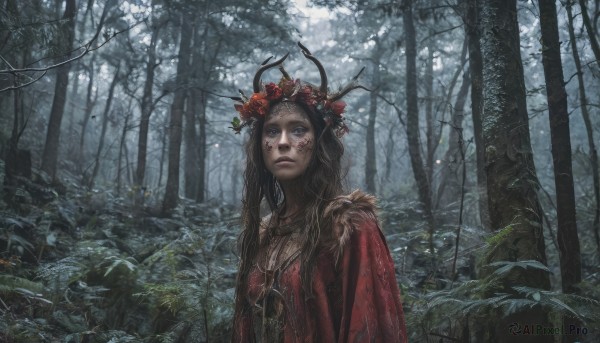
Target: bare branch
(88, 47)
(23, 85)
(393, 104)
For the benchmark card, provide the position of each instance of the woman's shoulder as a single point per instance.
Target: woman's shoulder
(351, 213)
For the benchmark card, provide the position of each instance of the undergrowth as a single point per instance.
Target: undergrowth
(85, 266)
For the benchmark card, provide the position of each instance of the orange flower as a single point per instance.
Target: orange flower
(244, 110)
(258, 105)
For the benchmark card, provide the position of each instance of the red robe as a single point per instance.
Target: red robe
(355, 293)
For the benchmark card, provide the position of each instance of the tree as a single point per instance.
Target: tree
(370, 157)
(412, 123)
(90, 103)
(472, 29)
(147, 105)
(450, 184)
(18, 162)
(512, 182)
(105, 120)
(568, 241)
(191, 167)
(177, 108)
(65, 44)
(588, 124)
(587, 22)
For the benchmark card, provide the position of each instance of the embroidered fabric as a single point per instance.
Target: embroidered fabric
(355, 294)
(280, 247)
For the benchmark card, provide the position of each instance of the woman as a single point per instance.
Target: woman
(317, 269)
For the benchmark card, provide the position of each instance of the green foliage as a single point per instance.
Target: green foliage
(168, 296)
(13, 285)
(117, 277)
(496, 296)
(504, 267)
(501, 236)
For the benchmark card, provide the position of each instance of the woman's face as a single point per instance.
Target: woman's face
(287, 141)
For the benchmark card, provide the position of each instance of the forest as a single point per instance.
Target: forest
(122, 179)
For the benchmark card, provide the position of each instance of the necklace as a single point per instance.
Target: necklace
(286, 219)
(281, 250)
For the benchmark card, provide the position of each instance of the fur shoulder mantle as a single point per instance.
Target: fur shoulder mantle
(347, 213)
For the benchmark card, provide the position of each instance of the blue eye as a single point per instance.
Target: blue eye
(271, 132)
(300, 130)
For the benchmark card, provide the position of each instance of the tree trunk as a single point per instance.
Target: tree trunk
(177, 108)
(201, 146)
(590, 31)
(370, 158)
(588, 126)
(568, 241)
(147, 108)
(128, 165)
(511, 178)
(163, 152)
(105, 120)
(509, 160)
(412, 125)
(190, 135)
(18, 161)
(121, 148)
(190, 170)
(596, 16)
(389, 152)
(450, 184)
(90, 103)
(472, 28)
(71, 132)
(429, 124)
(50, 156)
(206, 58)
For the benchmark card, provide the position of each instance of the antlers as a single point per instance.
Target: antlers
(307, 54)
(322, 88)
(265, 66)
(353, 84)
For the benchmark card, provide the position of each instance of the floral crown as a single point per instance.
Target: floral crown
(317, 99)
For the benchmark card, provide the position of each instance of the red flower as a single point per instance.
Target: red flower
(273, 91)
(338, 107)
(305, 95)
(287, 87)
(258, 105)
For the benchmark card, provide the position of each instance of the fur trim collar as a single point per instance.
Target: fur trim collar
(346, 213)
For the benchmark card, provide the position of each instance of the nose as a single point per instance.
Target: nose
(284, 141)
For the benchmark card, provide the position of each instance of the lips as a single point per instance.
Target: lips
(284, 159)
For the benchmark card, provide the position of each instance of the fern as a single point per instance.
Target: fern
(507, 266)
(588, 308)
(9, 284)
(117, 261)
(13, 285)
(493, 297)
(62, 272)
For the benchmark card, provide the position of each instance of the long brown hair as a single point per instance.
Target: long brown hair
(322, 181)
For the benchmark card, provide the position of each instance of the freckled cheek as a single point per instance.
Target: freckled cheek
(304, 145)
(268, 145)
